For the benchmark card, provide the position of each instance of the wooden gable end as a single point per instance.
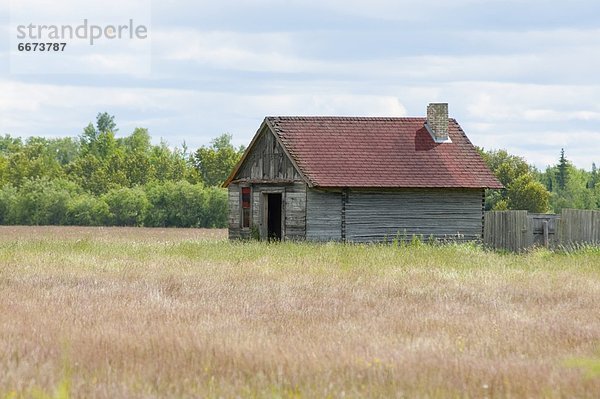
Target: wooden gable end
(266, 161)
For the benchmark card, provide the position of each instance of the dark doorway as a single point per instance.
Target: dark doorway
(274, 216)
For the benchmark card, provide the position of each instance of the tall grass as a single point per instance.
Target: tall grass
(185, 313)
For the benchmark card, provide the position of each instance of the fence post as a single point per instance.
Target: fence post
(596, 227)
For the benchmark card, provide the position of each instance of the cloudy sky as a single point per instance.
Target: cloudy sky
(521, 75)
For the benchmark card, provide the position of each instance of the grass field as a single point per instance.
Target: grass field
(115, 313)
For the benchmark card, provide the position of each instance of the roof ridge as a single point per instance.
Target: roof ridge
(341, 117)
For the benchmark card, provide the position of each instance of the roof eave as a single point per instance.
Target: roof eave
(237, 167)
(388, 187)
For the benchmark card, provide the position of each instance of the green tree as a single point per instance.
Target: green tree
(171, 165)
(216, 162)
(576, 192)
(90, 173)
(10, 144)
(65, 149)
(571, 187)
(522, 191)
(100, 140)
(102, 162)
(88, 136)
(136, 162)
(506, 167)
(562, 173)
(106, 123)
(3, 171)
(525, 193)
(137, 142)
(33, 160)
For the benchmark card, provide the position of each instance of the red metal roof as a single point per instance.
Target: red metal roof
(380, 152)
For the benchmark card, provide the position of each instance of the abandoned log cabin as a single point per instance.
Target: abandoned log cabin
(359, 180)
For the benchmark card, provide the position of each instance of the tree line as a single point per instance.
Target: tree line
(559, 186)
(98, 179)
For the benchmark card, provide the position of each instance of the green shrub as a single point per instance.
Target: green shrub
(43, 202)
(182, 204)
(8, 198)
(62, 202)
(216, 208)
(177, 204)
(127, 206)
(87, 210)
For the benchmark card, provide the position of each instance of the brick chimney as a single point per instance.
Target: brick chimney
(437, 122)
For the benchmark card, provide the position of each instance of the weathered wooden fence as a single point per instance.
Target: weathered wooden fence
(506, 230)
(579, 227)
(544, 228)
(519, 230)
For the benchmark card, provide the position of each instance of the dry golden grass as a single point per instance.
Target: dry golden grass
(184, 313)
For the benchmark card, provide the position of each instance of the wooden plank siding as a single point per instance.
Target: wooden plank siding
(235, 214)
(370, 216)
(234, 211)
(323, 215)
(267, 161)
(373, 216)
(257, 211)
(293, 210)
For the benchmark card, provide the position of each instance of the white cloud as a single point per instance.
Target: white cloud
(550, 115)
(281, 52)
(59, 11)
(542, 148)
(531, 91)
(492, 101)
(319, 104)
(33, 109)
(271, 52)
(545, 148)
